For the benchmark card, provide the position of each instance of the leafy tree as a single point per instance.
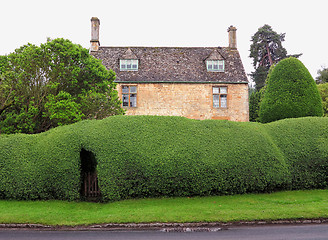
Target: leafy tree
(290, 93)
(6, 88)
(55, 84)
(266, 49)
(323, 75)
(323, 90)
(62, 109)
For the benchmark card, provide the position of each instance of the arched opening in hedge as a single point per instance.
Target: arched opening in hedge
(89, 180)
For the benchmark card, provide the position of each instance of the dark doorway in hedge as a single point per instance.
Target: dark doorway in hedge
(89, 185)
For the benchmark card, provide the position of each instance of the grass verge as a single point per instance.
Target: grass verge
(281, 205)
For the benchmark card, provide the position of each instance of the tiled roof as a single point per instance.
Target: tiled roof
(173, 64)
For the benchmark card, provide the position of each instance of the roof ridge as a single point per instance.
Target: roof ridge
(217, 47)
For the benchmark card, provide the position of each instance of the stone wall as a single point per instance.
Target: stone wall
(191, 100)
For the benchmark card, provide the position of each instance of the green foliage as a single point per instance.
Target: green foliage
(256, 99)
(150, 156)
(55, 84)
(323, 91)
(322, 76)
(259, 76)
(62, 109)
(254, 106)
(304, 143)
(290, 93)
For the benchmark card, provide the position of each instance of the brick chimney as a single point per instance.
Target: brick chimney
(94, 34)
(232, 37)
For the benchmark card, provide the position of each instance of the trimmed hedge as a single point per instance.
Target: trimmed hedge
(151, 156)
(290, 93)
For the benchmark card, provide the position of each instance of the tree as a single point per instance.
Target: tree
(266, 49)
(55, 84)
(323, 90)
(323, 75)
(290, 93)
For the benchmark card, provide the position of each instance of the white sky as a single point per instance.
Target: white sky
(161, 23)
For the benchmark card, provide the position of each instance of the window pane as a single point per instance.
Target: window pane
(216, 90)
(122, 64)
(216, 102)
(133, 100)
(128, 64)
(125, 89)
(133, 89)
(223, 101)
(209, 65)
(223, 90)
(125, 100)
(221, 65)
(215, 66)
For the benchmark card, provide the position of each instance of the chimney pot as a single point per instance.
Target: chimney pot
(232, 37)
(94, 42)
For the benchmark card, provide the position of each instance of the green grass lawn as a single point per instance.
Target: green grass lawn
(280, 205)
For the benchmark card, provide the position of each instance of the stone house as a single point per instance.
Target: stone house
(193, 82)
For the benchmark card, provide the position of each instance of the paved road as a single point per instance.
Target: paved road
(300, 232)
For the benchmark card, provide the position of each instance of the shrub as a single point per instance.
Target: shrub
(149, 156)
(290, 93)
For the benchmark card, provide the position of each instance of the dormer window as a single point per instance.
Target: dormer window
(128, 64)
(215, 65)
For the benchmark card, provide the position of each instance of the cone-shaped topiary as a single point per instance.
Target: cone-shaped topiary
(291, 92)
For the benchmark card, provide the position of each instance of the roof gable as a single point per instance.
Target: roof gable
(215, 55)
(128, 55)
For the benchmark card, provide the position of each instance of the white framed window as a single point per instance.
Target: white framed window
(128, 64)
(220, 96)
(215, 65)
(129, 96)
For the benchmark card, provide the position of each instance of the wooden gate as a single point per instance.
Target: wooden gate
(90, 185)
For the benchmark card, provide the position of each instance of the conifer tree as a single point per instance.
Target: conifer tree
(266, 49)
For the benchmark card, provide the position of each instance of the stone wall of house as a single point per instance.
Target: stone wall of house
(191, 100)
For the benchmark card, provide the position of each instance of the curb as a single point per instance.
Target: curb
(163, 227)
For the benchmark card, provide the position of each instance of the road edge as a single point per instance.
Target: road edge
(165, 227)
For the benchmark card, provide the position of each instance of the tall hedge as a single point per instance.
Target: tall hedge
(290, 93)
(149, 156)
